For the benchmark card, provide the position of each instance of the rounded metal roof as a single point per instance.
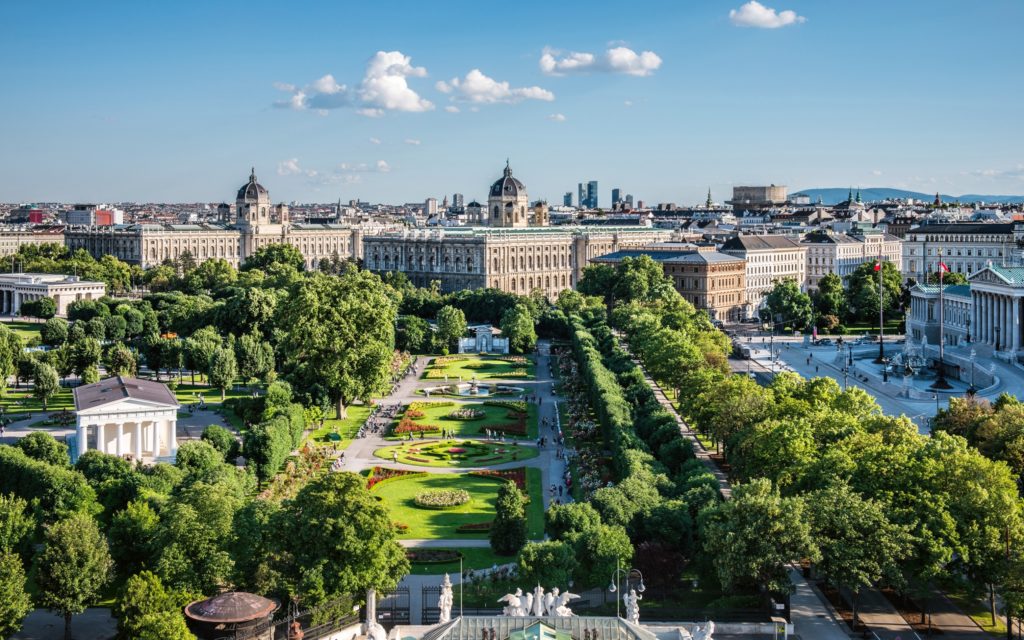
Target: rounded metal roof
(231, 607)
(252, 190)
(507, 185)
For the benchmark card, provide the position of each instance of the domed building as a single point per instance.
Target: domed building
(507, 203)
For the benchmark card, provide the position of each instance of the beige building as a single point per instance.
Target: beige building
(256, 224)
(769, 259)
(708, 279)
(19, 288)
(842, 253)
(507, 253)
(757, 198)
(13, 237)
(965, 247)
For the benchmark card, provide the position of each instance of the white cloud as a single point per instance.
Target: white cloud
(619, 59)
(481, 89)
(288, 167)
(1016, 173)
(628, 103)
(374, 140)
(557, 117)
(876, 172)
(451, 109)
(414, 142)
(443, 86)
(386, 87)
(383, 167)
(755, 14)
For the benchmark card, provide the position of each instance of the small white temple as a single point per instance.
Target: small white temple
(130, 417)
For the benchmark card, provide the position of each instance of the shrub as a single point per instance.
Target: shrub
(432, 556)
(414, 414)
(380, 474)
(466, 414)
(441, 498)
(474, 527)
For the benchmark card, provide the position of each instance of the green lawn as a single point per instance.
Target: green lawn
(439, 453)
(975, 606)
(187, 393)
(15, 401)
(345, 429)
(436, 413)
(399, 494)
(27, 330)
(473, 558)
(479, 367)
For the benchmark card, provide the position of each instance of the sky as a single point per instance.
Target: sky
(399, 101)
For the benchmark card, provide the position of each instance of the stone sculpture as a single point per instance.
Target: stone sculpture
(445, 601)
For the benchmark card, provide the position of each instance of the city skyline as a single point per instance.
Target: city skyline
(401, 103)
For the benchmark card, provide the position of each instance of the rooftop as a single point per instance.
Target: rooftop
(760, 243)
(118, 388)
(231, 607)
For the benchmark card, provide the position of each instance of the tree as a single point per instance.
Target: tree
(121, 360)
(132, 533)
(451, 325)
(115, 328)
(571, 521)
(198, 456)
(85, 354)
(254, 356)
(609, 546)
(10, 352)
(599, 280)
(222, 440)
(413, 334)
(858, 544)
(862, 291)
(45, 383)
(199, 348)
(551, 562)
(16, 523)
(73, 567)
(54, 332)
(43, 308)
(752, 537)
(830, 298)
(267, 446)
(337, 539)
(147, 606)
(15, 602)
(508, 531)
(41, 446)
(222, 370)
(517, 326)
(788, 305)
(211, 275)
(340, 335)
(950, 278)
(271, 254)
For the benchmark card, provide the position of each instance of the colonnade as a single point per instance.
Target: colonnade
(11, 301)
(996, 320)
(141, 438)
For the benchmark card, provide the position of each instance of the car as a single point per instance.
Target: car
(824, 342)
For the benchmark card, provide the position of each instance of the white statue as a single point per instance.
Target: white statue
(539, 605)
(632, 602)
(513, 603)
(550, 601)
(561, 610)
(375, 632)
(445, 601)
(527, 605)
(705, 633)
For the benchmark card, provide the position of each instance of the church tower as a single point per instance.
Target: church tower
(507, 203)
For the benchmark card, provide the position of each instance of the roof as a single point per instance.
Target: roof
(1014, 275)
(507, 185)
(118, 388)
(968, 228)
(959, 290)
(760, 243)
(252, 190)
(231, 607)
(471, 627)
(674, 257)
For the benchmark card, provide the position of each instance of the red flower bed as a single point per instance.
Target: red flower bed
(517, 476)
(380, 474)
(408, 426)
(414, 414)
(456, 450)
(476, 527)
(511, 428)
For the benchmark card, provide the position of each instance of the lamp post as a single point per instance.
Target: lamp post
(968, 329)
(971, 390)
(614, 586)
(997, 337)
(462, 580)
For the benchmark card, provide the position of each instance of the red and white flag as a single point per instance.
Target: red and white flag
(878, 265)
(943, 268)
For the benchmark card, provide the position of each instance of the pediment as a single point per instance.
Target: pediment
(126, 405)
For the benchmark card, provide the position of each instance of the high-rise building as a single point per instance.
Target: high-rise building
(592, 194)
(567, 199)
(581, 196)
(458, 201)
(616, 192)
(430, 207)
(629, 200)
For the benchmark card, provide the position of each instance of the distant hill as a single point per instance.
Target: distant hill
(837, 195)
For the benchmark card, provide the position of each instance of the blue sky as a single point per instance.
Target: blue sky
(174, 101)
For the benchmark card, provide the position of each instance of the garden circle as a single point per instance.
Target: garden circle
(456, 453)
(441, 498)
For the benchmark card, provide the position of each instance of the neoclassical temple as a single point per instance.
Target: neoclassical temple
(127, 417)
(503, 250)
(997, 293)
(18, 288)
(254, 223)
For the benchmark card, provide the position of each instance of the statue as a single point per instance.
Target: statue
(561, 610)
(550, 601)
(445, 601)
(539, 604)
(295, 631)
(513, 603)
(705, 633)
(374, 631)
(632, 602)
(527, 605)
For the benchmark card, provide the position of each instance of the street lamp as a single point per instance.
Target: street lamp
(614, 586)
(997, 338)
(971, 390)
(968, 329)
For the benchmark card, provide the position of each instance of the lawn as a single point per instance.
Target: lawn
(188, 393)
(17, 401)
(456, 453)
(27, 330)
(480, 367)
(441, 524)
(345, 429)
(436, 414)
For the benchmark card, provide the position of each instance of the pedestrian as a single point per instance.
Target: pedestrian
(815, 368)
(559, 492)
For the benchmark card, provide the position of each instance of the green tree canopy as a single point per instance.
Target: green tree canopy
(451, 325)
(862, 292)
(222, 370)
(517, 326)
(508, 531)
(15, 602)
(788, 305)
(271, 254)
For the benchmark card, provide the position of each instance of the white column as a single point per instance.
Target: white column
(120, 438)
(99, 438)
(154, 436)
(987, 321)
(83, 438)
(138, 441)
(172, 425)
(1016, 324)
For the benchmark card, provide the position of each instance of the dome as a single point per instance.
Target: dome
(252, 190)
(231, 608)
(507, 185)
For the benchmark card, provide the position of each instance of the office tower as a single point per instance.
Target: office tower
(567, 199)
(615, 196)
(581, 196)
(431, 206)
(592, 194)
(458, 201)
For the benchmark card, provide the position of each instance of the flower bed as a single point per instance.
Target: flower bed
(518, 476)
(423, 406)
(441, 498)
(519, 406)
(408, 426)
(475, 527)
(512, 428)
(380, 474)
(456, 450)
(400, 527)
(414, 414)
(466, 414)
(432, 556)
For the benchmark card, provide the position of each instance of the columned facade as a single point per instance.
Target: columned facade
(126, 417)
(997, 295)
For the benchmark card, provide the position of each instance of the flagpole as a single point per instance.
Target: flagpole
(881, 317)
(940, 378)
